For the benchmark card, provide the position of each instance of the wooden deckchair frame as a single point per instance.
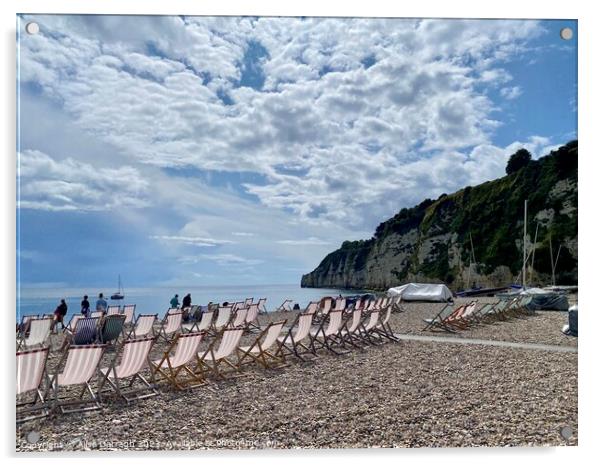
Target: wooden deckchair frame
(295, 344)
(263, 356)
(327, 341)
(38, 404)
(170, 374)
(202, 368)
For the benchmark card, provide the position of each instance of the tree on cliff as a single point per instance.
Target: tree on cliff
(518, 160)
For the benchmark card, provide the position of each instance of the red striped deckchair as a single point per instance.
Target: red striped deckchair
(203, 325)
(212, 359)
(224, 314)
(260, 350)
(174, 368)
(239, 317)
(79, 368)
(31, 366)
(251, 317)
(293, 342)
(143, 326)
(134, 358)
(351, 331)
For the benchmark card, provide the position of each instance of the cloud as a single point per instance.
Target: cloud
(242, 233)
(192, 240)
(511, 93)
(68, 184)
(332, 140)
(224, 260)
(304, 242)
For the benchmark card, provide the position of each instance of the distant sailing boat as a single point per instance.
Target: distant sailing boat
(119, 293)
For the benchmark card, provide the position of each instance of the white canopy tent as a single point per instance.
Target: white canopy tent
(421, 292)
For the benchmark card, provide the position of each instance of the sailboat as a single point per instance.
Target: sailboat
(119, 293)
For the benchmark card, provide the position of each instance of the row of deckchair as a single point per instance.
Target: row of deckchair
(182, 365)
(453, 319)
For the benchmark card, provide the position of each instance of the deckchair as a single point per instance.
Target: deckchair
(31, 365)
(251, 317)
(261, 304)
(383, 327)
(111, 328)
(80, 367)
(222, 319)
(39, 332)
(112, 310)
(143, 326)
(328, 337)
(443, 314)
(84, 333)
(212, 359)
(248, 301)
(292, 342)
(350, 333)
(128, 311)
(312, 307)
(171, 325)
(259, 351)
(368, 328)
(203, 325)
(174, 368)
(285, 306)
(71, 325)
(239, 317)
(97, 314)
(23, 327)
(134, 358)
(172, 310)
(339, 304)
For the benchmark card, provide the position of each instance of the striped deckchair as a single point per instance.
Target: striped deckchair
(31, 365)
(129, 311)
(202, 325)
(143, 326)
(260, 351)
(293, 342)
(445, 313)
(134, 358)
(97, 314)
(80, 367)
(328, 336)
(212, 360)
(71, 325)
(111, 328)
(23, 327)
(39, 332)
(248, 301)
(174, 368)
(285, 306)
(261, 304)
(223, 317)
(239, 317)
(112, 310)
(171, 325)
(368, 328)
(251, 317)
(351, 331)
(383, 327)
(85, 332)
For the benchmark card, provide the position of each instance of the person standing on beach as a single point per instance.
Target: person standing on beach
(85, 306)
(186, 303)
(174, 303)
(101, 304)
(59, 314)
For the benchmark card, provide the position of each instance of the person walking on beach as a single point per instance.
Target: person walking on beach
(85, 306)
(186, 303)
(101, 304)
(174, 303)
(59, 314)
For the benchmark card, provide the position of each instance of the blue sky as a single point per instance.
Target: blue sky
(218, 151)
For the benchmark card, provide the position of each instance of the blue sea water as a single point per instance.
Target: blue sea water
(156, 300)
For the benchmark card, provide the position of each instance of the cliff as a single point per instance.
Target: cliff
(431, 241)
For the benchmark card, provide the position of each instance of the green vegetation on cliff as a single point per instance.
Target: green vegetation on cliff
(491, 212)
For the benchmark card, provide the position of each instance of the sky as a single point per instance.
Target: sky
(240, 150)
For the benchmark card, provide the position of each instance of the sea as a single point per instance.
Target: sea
(156, 300)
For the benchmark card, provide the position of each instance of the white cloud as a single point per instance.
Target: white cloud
(334, 141)
(69, 184)
(312, 241)
(192, 240)
(511, 93)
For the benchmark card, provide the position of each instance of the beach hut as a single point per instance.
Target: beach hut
(421, 292)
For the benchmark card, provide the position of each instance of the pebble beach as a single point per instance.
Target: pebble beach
(405, 394)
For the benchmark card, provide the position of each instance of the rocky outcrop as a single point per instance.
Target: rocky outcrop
(431, 241)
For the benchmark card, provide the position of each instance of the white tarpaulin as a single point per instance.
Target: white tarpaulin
(421, 292)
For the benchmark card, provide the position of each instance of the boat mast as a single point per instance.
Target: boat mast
(525, 248)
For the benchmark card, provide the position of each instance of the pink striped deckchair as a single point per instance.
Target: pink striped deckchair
(224, 314)
(203, 325)
(134, 358)
(96, 314)
(328, 337)
(285, 306)
(211, 360)
(367, 327)
(350, 333)
(251, 317)
(383, 327)
(39, 332)
(73, 322)
(23, 327)
(171, 325)
(31, 365)
(239, 317)
(260, 350)
(292, 342)
(174, 368)
(129, 311)
(143, 326)
(80, 367)
(248, 301)
(112, 310)
(339, 304)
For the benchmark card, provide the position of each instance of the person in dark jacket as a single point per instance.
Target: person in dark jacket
(85, 306)
(187, 301)
(59, 314)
